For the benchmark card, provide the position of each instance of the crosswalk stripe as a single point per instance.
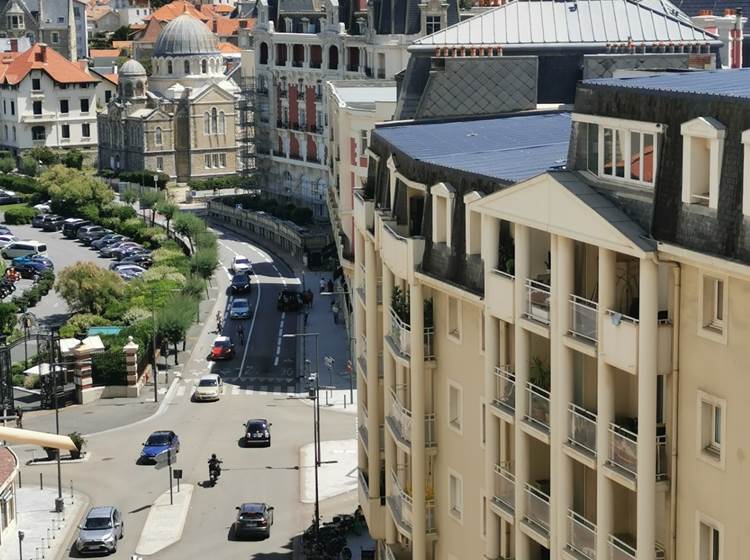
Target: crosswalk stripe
(235, 390)
(181, 390)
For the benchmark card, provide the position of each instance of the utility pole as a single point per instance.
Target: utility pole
(59, 502)
(153, 350)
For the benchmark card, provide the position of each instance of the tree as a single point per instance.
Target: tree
(44, 155)
(7, 317)
(166, 209)
(129, 196)
(87, 288)
(175, 318)
(73, 159)
(71, 189)
(188, 225)
(28, 166)
(148, 201)
(121, 33)
(204, 263)
(6, 165)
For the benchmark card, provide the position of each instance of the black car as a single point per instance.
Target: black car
(108, 239)
(38, 220)
(53, 223)
(72, 225)
(240, 283)
(258, 432)
(141, 259)
(254, 519)
(121, 252)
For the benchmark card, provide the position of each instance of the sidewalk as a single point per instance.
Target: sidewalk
(45, 532)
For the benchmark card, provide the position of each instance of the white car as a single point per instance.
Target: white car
(6, 239)
(241, 264)
(44, 207)
(240, 309)
(209, 388)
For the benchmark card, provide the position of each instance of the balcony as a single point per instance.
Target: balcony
(582, 435)
(537, 509)
(537, 407)
(282, 94)
(623, 450)
(583, 319)
(537, 301)
(504, 495)
(393, 551)
(581, 536)
(505, 391)
(400, 419)
(662, 471)
(623, 548)
(499, 294)
(400, 337)
(362, 427)
(402, 254)
(402, 508)
(620, 342)
(364, 211)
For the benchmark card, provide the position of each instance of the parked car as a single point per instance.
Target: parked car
(5, 230)
(100, 531)
(38, 220)
(31, 267)
(46, 261)
(53, 223)
(43, 207)
(258, 432)
(159, 442)
(241, 264)
(108, 239)
(128, 272)
(121, 252)
(71, 226)
(107, 250)
(24, 248)
(209, 388)
(87, 234)
(7, 239)
(8, 197)
(124, 267)
(254, 519)
(240, 309)
(222, 349)
(141, 259)
(240, 283)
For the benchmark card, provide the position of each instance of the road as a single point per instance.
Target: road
(259, 389)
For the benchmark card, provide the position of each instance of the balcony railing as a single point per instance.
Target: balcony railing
(581, 536)
(661, 458)
(623, 449)
(505, 389)
(402, 506)
(537, 507)
(401, 336)
(505, 489)
(582, 428)
(537, 301)
(537, 406)
(362, 427)
(400, 418)
(583, 318)
(621, 550)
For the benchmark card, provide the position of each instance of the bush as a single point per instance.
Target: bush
(111, 223)
(145, 178)
(28, 166)
(18, 378)
(73, 159)
(21, 302)
(89, 212)
(81, 322)
(19, 215)
(46, 155)
(231, 182)
(124, 212)
(7, 165)
(132, 227)
(19, 183)
(108, 367)
(32, 382)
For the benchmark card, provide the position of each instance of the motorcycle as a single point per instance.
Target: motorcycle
(214, 471)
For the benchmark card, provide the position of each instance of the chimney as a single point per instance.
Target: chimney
(41, 54)
(705, 13)
(14, 45)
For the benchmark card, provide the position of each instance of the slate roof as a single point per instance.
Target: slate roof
(550, 23)
(511, 148)
(719, 83)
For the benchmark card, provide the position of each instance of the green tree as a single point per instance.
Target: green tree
(129, 196)
(8, 317)
(166, 209)
(148, 201)
(73, 159)
(204, 263)
(6, 165)
(175, 318)
(121, 33)
(87, 288)
(71, 189)
(28, 166)
(45, 155)
(188, 225)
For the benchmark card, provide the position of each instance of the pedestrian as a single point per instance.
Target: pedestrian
(241, 333)
(19, 417)
(311, 297)
(335, 310)
(330, 286)
(307, 313)
(322, 285)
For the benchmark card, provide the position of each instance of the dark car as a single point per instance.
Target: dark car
(30, 268)
(158, 443)
(289, 300)
(119, 253)
(222, 349)
(53, 223)
(258, 432)
(254, 519)
(87, 234)
(240, 283)
(40, 220)
(108, 239)
(46, 261)
(5, 230)
(8, 197)
(141, 259)
(107, 250)
(71, 226)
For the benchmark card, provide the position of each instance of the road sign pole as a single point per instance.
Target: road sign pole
(169, 463)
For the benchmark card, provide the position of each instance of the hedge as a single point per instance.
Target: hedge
(19, 215)
(145, 178)
(18, 183)
(231, 182)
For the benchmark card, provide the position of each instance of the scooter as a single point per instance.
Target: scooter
(214, 472)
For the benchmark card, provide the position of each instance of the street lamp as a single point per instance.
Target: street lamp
(20, 543)
(316, 423)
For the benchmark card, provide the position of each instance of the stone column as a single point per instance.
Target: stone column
(82, 373)
(416, 373)
(131, 366)
(389, 382)
(521, 338)
(373, 385)
(648, 308)
(605, 407)
(492, 434)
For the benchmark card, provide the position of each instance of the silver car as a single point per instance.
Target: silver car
(240, 309)
(100, 531)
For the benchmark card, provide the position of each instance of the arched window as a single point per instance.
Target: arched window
(169, 66)
(333, 58)
(287, 181)
(128, 89)
(187, 67)
(204, 66)
(206, 124)
(222, 123)
(214, 120)
(158, 137)
(139, 88)
(263, 53)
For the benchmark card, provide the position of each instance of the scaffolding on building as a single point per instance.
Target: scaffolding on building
(247, 133)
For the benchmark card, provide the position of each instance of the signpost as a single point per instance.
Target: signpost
(177, 476)
(164, 459)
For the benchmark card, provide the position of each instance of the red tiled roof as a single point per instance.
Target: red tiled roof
(46, 59)
(94, 53)
(229, 48)
(7, 464)
(122, 44)
(170, 11)
(223, 26)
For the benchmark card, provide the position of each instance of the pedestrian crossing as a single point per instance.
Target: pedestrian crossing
(245, 387)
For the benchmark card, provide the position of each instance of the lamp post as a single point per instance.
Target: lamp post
(20, 544)
(314, 394)
(53, 363)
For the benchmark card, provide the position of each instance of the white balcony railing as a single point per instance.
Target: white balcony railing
(400, 418)
(581, 536)
(362, 427)
(505, 489)
(537, 403)
(537, 301)
(623, 449)
(582, 428)
(537, 507)
(402, 506)
(583, 318)
(661, 457)
(400, 334)
(505, 389)
(620, 550)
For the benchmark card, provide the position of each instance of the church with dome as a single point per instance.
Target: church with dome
(181, 119)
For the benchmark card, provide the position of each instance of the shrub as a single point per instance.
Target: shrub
(19, 183)
(32, 382)
(73, 159)
(46, 155)
(19, 215)
(111, 223)
(18, 378)
(81, 322)
(131, 227)
(145, 178)
(108, 367)
(8, 318)
(28, 166)
(21, 302)
(6, 165)
(231, 182)
(89, 212)
(79, 441)
(124, 212)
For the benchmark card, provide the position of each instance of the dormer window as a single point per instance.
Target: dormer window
(473, 225)
(442, 213)
(288, 25)
(702, 151)
(432, 24)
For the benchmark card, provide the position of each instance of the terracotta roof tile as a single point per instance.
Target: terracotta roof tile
(94, 53)
(170, 11)
(7, 464)
(229, 48)
(224, 27)
(122, 44)
(46, 59)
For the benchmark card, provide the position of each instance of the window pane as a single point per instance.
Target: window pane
(608, 166)
(719, 300)
(648, 152)
(717, 425)
(714, 544)
(635, 155)
(619, 154)
(592, 148)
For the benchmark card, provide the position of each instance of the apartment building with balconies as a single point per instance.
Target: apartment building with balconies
(550, 362)
(301, 45)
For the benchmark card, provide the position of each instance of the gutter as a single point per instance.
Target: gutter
(529, 47)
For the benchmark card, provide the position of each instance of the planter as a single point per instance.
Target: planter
(52, 453)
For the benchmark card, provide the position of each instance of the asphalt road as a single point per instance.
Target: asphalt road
(257, 389)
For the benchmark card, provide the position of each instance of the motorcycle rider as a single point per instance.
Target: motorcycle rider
(214, 470)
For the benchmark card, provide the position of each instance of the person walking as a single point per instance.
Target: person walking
(335, 310)
(241, 333)
(330, 286)
(19, 417)
(322, 285)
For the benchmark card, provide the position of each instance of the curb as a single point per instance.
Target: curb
(167, 522)
(86, 455)
(75, 513)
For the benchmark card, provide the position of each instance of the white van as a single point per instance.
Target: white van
(24, 248)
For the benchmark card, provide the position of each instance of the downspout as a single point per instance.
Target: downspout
(677, 288)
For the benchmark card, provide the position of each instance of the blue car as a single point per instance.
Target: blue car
(36, 260)
(159, 442)
(30, 266)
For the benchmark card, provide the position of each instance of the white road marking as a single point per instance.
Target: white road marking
(278, 342)
(252, 326)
